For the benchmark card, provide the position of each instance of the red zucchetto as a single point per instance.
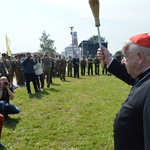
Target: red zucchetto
(141, 39)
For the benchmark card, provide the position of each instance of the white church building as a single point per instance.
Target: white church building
(72, 49)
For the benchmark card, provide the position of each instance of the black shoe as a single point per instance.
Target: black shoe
(6, 117)
(1, 144)
(37, 91)
(48, 86)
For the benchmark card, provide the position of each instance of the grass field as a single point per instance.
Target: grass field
(76, 114)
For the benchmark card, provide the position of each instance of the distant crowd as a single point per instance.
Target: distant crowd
(26, 68)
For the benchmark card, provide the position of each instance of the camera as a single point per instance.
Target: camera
(5, 83)
(29, 57)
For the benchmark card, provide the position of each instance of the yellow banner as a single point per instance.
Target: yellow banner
(8, 51)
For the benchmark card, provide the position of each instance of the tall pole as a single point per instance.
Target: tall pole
(72, 40)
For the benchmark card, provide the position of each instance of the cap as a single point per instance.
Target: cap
(141, 39)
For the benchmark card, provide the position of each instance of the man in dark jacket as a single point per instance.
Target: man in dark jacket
(90, 65)
(47, 66)
(83, 64)
(76, 66)
(29, 72)
(132, 123)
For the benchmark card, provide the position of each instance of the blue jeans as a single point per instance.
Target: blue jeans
(6, 108)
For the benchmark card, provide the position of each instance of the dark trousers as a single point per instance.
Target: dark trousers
(6, 109)
(47, 74)
(96, 69)
(69, 71)
(62, 73)
(82, 70)
(51, 74)
(40, 81)
(31, 77)
(20, 77)
(76, 71)
(104, 71)
(90, 69)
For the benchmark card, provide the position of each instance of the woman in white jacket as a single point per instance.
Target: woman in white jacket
(39, 72)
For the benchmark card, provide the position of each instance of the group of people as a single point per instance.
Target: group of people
(132, 123)
(35, 68)
(85, 64)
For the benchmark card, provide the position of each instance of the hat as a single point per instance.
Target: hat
(141, 39)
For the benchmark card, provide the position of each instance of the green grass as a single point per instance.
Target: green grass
(76, 114)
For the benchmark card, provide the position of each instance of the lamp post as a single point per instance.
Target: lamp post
(72, 40)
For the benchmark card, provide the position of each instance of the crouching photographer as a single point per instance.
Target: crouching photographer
(6, 92)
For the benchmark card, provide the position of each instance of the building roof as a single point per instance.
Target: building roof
(71, 46)
(88, 41)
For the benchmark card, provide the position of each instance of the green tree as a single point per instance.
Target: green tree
(95, 38)
(47, 45)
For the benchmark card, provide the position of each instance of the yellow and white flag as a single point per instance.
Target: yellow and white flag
(8, 51)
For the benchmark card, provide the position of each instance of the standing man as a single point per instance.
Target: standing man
(52, 69)
(60, 64)
(132, 123)
(64, 68)
(96, 63)
(104, 69)
(29, 72)
(69, 67)
(56, 66)
(83, 64)
(76, 66)
(118, 56)
(7, 65)
(46, 65)
(19, 70)
(3, 68)
(90, 65)
(11, 71)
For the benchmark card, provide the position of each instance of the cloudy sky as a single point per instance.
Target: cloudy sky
(24, 21)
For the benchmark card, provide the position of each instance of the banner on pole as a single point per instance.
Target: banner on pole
(8, 51)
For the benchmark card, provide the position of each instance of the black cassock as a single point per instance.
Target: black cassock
(132, 123)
